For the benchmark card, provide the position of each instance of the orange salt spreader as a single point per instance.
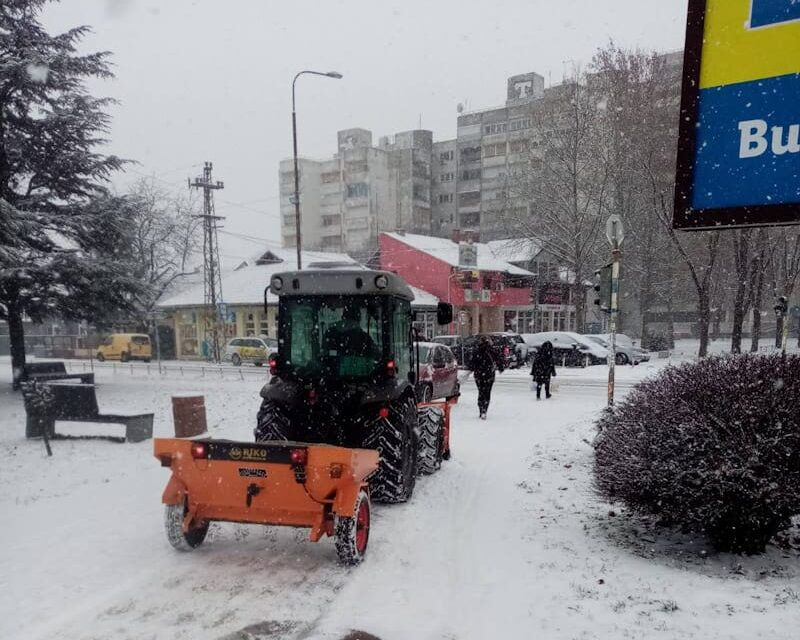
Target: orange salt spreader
(295, 484)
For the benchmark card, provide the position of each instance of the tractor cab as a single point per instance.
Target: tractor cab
(345, 370)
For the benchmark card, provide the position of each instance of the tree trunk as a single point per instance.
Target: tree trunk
(756, 331)
(778, 331)
(741, 252)
(705, 321)
(16, 336)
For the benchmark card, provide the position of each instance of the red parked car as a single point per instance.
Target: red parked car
(438, 372)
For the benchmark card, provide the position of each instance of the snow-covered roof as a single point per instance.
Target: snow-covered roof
(515, 249)
(423, 298)
(447, 251)
(246, 283)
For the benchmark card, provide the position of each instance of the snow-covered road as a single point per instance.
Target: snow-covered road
(507, 541)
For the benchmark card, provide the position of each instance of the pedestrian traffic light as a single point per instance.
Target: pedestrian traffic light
(602, 287)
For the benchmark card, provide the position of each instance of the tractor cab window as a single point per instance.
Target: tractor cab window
(401, 336)
(341, 336)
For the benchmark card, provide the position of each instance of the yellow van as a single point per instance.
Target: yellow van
(125, 346)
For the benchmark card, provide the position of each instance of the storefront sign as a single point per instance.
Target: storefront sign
(739, 146)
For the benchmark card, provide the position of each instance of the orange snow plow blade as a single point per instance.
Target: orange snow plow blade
(271, 483)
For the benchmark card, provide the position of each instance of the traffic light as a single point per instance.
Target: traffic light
(602, 287)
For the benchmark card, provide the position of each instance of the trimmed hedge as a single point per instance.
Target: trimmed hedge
(711, 446)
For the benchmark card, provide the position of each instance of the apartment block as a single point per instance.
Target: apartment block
(348, 199)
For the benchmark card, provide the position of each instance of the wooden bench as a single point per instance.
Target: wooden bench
(77, 403)
(53, 370)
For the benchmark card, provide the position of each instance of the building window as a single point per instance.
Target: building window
(420, 192)
(518, 146)
(446, 177)
(356, 167)
(329, 221)
(445, 197)
(263, 327)
(492, 150)
(471, 220)
(250, 325)
(470, 154)
(358, 190)
(471, 174)
(520, 123)
(330, 176)
(498, 127)
(445, 156)
(469, 199)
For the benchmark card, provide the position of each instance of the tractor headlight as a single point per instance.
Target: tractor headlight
(277, 283)
(381, 282)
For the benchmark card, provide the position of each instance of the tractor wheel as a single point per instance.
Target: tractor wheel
(352, 532)
(124, 356)
(431, 439)
(173, 523)
(395, 438)
(236, 359)
(272, 423)
(100, 357)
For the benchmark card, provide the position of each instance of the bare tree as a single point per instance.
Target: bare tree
(556, 191)
(786, 270)
(164, 234)
(640, 102)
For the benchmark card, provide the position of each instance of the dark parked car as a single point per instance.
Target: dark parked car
(518, 344)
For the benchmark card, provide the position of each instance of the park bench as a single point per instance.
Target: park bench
(45, 403)
(53, 370)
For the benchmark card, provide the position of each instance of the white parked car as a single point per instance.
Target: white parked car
(569, 348)
(250, 349)
(627, 352)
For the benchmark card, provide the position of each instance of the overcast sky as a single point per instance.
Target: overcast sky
(211, 80)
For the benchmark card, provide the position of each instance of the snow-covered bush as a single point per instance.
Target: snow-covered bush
(711, 446)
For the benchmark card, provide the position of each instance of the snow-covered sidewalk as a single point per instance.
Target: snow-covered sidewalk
(507, 541)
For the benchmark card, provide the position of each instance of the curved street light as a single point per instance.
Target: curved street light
(328, 74)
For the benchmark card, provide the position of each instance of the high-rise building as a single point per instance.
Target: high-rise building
(347, 200)
(489, 142)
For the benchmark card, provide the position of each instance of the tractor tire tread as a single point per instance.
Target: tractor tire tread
(272, 422)
(431, 439)
(394, 481)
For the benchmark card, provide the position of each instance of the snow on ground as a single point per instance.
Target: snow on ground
(507, 541)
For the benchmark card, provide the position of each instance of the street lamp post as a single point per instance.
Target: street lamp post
(328, 74)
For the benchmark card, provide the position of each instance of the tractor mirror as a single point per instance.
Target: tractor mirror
(444, 313)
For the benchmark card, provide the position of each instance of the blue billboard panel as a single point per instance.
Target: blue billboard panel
(748, 144)
(768, 12)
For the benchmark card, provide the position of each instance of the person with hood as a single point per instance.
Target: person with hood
(483, 367)
(543, 367)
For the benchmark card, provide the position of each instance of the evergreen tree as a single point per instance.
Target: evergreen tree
(57, 222)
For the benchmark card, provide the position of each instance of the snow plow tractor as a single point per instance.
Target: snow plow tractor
(345, 374)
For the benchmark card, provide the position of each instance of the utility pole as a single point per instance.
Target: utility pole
(615, 236)
(212, 279)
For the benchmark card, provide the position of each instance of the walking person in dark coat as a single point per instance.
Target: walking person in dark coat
(483, 366)
(543, 367)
